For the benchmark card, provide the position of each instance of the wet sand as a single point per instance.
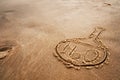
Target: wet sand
(36, 26)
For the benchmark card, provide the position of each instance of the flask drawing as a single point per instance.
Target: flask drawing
(85, 52)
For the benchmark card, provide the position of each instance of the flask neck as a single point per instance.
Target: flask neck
(96, 33)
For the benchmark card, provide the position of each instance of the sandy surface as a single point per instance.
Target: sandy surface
(36, 26)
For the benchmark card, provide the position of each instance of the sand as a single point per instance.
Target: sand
(37, 26)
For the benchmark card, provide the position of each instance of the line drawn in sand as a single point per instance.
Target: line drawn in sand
(85, 52)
